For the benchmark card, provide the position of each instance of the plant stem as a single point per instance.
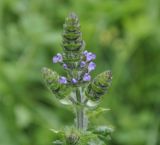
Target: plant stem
(81, 119)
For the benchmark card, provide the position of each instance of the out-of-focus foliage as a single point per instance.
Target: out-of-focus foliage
(124, 34)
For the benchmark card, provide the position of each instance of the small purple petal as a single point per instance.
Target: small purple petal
(91, 66)
(93, 56)
(57, 58)
(85, 52)
(60, 57)
(86, 77)
(82, 64)
(74, 81)
(65, 66)
(90, 56)
(63, 80)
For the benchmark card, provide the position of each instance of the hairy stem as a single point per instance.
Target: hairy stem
(81, 119)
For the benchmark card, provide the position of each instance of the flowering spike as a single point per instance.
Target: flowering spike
(51, 79)
(76, 88)
(99, 86)
(73, 44)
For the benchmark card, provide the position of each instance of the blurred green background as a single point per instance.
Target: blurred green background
(125, 35)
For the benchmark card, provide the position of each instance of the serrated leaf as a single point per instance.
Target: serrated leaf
(86, 138)
(97, 112)
(103, 130)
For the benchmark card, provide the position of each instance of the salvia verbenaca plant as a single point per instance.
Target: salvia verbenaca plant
(78, 89)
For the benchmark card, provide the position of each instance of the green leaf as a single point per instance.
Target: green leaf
(97, 112)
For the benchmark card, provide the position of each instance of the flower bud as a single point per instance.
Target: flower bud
(72, 139)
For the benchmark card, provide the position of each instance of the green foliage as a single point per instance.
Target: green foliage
(74, 137)
(96, 112)
(125, 36)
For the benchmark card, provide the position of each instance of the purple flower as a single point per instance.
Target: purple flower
(63, 80)
(91, 66)
(57, 58)
(82, 64)
(89, 55)
(86, 77)
(74, 81)
(65, 66)
(85, 52)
